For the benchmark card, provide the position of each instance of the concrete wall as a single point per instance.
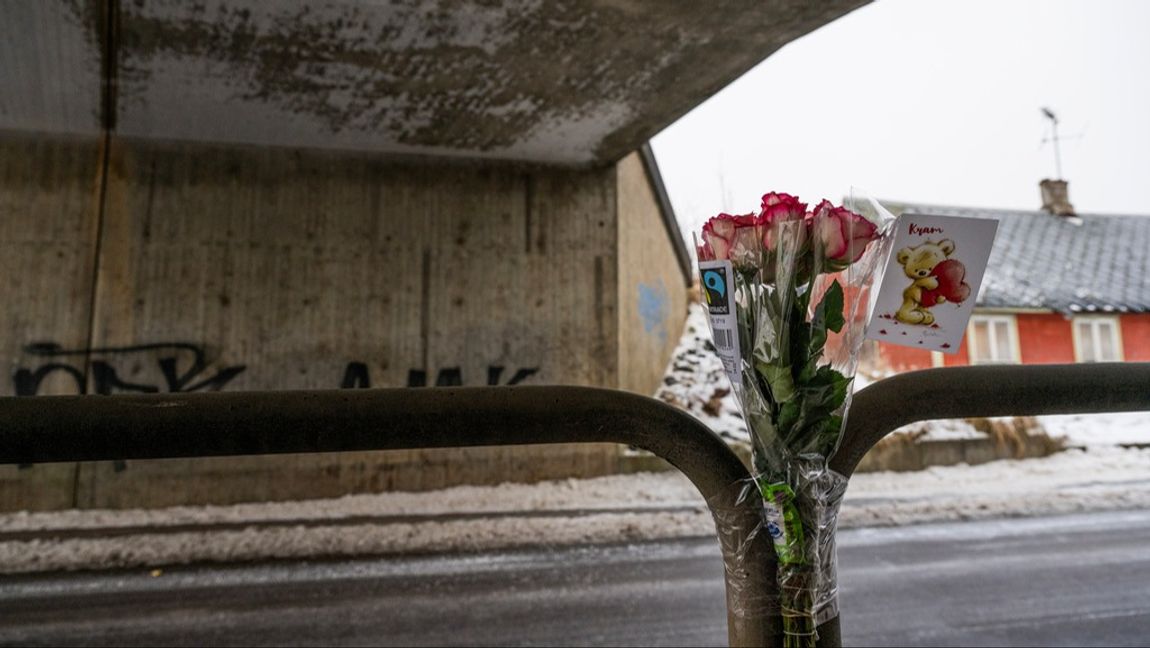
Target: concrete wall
(295, 265)
(241, 268)
(652, 290)
(48, 217)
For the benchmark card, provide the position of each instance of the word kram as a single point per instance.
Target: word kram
(919, 230)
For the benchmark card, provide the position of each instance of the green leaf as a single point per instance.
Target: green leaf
(808, 372)
(806, 421)
(782, 386)
(829, 312)
(789, 415)
(833, 427)
(842, 386)
(829, 438)
(818, 339)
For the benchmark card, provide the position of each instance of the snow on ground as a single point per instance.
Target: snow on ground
(696, 382)
(943, 430)
(619, 508)
(1100, 478)
(1126, 428)
(612, 492)
(301, 541)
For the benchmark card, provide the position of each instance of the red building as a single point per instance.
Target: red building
(1058, 288)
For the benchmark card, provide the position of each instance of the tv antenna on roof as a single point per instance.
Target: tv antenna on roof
(1056, 139)
(1054, 125)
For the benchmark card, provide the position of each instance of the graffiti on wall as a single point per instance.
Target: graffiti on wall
(106, 380)
(653, 309)
(103, 377)
(356, 375)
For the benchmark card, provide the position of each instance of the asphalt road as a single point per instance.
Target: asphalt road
(1071, 580)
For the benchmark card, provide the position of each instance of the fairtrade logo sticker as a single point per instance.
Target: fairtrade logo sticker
(715, 282)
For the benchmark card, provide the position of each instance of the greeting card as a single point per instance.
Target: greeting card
(931, 280)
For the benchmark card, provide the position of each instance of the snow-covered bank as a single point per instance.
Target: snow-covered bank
(1077, 480)
(695, 381)
(608, 509)
(1126, 428)
(622, 492)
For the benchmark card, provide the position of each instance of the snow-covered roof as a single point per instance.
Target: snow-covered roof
(1090, 263)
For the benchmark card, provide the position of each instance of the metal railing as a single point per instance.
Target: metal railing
(989, 390)
(153, 426)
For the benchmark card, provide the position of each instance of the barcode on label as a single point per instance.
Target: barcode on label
(723, 339)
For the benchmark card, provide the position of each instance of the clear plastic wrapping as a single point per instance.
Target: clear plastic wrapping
(739, 523)
(739, 526)
(809, 587)
(787, 292)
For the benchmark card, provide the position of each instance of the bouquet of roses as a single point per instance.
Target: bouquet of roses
(785, 289)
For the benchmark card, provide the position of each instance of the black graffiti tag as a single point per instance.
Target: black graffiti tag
(356, 375)
(105, 380)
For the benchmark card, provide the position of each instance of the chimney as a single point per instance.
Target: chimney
(1055, 198)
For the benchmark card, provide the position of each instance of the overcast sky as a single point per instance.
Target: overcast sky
(930, 101)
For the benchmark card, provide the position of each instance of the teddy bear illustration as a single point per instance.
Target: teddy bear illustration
(936, 278)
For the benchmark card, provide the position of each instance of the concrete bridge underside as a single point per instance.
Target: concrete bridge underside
(571, 82)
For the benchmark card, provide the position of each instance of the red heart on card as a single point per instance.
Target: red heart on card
(951, 285)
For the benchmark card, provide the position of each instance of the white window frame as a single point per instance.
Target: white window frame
(1011, 342)
(1094, 321)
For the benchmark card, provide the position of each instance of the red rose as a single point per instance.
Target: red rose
(778, 208)
(732, 237)
(843, 234)
(717, 235)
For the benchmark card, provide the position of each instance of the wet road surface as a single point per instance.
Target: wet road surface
(1069, 580)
